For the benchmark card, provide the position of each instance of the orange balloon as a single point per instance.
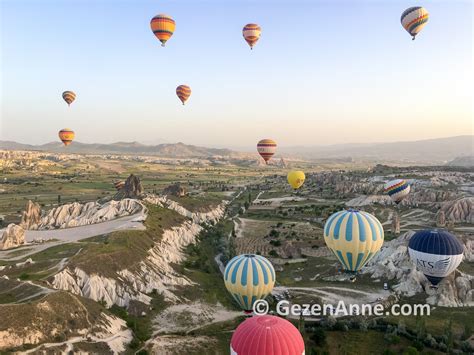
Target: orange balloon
(66, 136)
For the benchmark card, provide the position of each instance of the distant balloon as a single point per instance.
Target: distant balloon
(183, 92)
(397, 190)
(120, 184)
(248, 278)
(266, 335)
(66, 135)
(296, 178)
(266, 148)
(69, 97)
(436, 253)
(163, 27)
(354, 237)
(251, 33)
(414, 19)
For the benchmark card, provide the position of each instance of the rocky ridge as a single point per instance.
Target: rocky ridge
(77, 214)
(152, 273)
(13, 236)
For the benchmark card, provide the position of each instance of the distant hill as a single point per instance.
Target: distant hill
(178, 150)
(440, 150)
(430, 151)
(467, 161)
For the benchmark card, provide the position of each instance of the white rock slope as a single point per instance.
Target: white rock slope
(77, 214)
(153, 273)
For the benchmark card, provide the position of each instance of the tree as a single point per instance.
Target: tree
(318, 336)
(411, 351)
(420, 328)
(449, 337)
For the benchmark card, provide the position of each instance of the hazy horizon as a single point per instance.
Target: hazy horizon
(312, 83)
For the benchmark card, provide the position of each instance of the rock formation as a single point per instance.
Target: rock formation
(393, 263)
(31, 216)
(12, 237)
(395, 224)
(132, 189)
(459, 211)
(440, 219)
(152, 273)
(77, 214)
(197, 217)
(175, 190)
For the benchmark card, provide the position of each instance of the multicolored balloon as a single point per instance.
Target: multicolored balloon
(183, 92)
(296, 178)
(397, 190)
(66, 136)
(414, 19)
(120, 184)
(248, 278)
(266, 335)
(69, 97)
(163, 27)
(436, 253)
(354, 237)
(251, 33)
(266, 148)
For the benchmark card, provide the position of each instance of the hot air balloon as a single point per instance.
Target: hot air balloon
(248, 278)
(397, 190)
(251, 33)
(69, 97)
(436, 253)
(414, 19)
(66, 135)
(266, 148)
(296, 178)
(183, 92)
(354, 237)
(163, 27)
(266, 335)
(120, 184)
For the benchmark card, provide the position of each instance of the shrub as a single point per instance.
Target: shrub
(411, 351)
(318, 336)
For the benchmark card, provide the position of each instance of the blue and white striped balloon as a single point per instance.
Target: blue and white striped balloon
(436, 253)
(354, 237)
(248, 278)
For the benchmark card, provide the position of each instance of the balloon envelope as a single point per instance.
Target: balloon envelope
(436, 253)
(266, 148)
(120, 184)
(163, 27)
(66, 135)
(183, 92)
(354, 237)
(397, 190)
(296, 178)
(251, 33)
(266, 335)
(69, 97)
(248, 278)
(414, 19)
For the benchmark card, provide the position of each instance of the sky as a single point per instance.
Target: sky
(323, 72)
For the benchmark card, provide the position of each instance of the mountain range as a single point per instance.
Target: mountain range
(178, 150)
(440, 150)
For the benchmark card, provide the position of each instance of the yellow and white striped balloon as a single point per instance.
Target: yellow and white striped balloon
(354, 237)
(248, 278)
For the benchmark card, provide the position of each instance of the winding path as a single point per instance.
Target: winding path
(70, 235)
